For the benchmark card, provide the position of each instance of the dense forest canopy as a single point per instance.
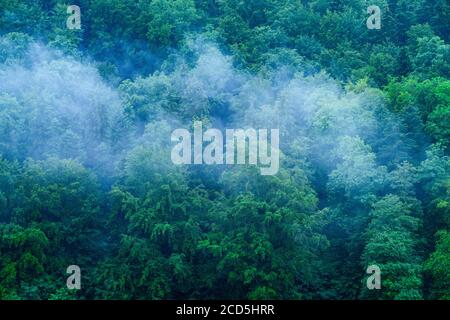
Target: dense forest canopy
(86, 117)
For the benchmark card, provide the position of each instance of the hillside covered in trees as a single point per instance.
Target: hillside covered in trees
(86, 177)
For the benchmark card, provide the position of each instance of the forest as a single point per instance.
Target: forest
(86, 116)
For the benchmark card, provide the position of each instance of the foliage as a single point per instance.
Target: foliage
(86, 178)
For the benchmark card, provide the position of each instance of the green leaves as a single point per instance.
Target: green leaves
(85, 170)
(438, 265)
(22, 252)
(169, 20)
(391, 243)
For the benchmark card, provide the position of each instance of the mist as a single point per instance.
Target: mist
(341, 149)
(69, 111)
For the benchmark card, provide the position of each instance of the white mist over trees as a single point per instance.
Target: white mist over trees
(86, 176)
